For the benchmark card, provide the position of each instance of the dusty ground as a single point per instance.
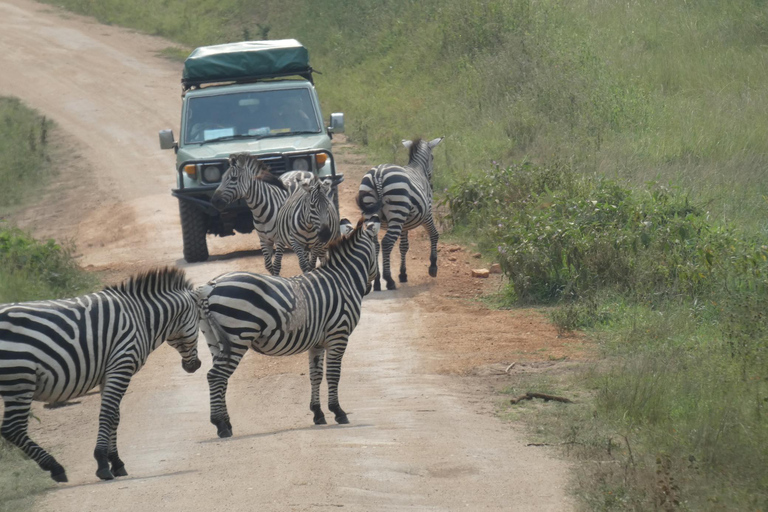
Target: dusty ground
(416, 374)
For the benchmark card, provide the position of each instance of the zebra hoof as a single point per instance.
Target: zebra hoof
(105, 474)
(320, 421)
(433, 271)
(342, 420)
(376, 286)
(403, 278)
(60, 477)
(224, 432)
(119, 471)
(391, 285)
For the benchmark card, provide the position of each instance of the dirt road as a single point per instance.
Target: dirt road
(421, 436)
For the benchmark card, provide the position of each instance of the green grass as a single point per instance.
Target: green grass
(25, 162)
(30, 269)
(21, 480)
(640, 90)
(675, 299)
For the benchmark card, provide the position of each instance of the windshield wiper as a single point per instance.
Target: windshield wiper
(233, 137)
(302, 132)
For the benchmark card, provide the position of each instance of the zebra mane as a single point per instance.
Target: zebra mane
(270, 179)
(158, 280)
(342, 241)
(415, 143)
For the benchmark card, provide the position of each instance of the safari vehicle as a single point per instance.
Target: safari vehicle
(253, 96)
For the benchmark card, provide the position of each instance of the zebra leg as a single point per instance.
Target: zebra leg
(377, 277)
(14, 430)
(277, 265)
(316, 378)
(267, 249)
(333, 375)
(403, 251)
(387, 244)
(118, 466)
(218, 378)
(433, 236)
(115, 385)
(302, 255)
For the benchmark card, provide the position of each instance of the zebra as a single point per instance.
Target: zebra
(55, 350)
(402, 196)
(249, 178)
(307, 222)
(314, 312)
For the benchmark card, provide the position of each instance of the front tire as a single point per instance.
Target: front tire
(194, 226)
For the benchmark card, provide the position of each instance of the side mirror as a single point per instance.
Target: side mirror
(166, 139)
(337, 122)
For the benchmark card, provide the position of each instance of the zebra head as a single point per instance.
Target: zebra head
(420, 154)
(237, 180)
(321, 210)
(183, 332)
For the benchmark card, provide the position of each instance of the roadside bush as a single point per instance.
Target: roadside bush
(561, 236)
(23, 147)
(678, 300)
(32, 269)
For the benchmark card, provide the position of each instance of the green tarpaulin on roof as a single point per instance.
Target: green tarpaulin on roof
(247, 59)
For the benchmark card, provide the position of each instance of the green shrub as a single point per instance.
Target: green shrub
(25, 161)
(32, 269)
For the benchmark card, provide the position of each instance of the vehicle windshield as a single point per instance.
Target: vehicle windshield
(250, 114)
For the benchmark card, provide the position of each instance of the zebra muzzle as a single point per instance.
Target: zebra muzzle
(192, 365)
(324, 235)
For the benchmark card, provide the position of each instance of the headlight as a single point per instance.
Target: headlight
(211, 174)
(300, 164)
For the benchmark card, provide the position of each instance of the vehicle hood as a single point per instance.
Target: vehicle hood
(217, 150)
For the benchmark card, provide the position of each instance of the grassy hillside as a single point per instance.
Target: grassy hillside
(640, 90)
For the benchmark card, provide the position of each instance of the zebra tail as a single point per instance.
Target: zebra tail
(368, 208)
(221, 336)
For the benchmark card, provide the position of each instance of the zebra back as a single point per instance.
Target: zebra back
(67, 345)
(289, 315)
(408, 188)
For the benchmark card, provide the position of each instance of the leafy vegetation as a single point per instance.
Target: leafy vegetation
(677, 301)
(643, 90)
(29, 269)
(24, 162)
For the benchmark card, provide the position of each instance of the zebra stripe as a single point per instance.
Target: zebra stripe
(56, 350)
(313, 312)
(307, 222)
(249, 178)
(402, 198)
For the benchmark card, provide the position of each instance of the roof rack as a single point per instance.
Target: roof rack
(246, 61)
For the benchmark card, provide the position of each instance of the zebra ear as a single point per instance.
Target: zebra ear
(435, 142)
(373, 225)
(306, 185)
(407, 143)
(345, 227)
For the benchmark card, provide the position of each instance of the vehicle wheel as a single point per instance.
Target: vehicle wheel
(194, 226)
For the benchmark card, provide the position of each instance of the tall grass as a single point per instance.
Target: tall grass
(23, 139)
(677, 299)
(642, 90)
